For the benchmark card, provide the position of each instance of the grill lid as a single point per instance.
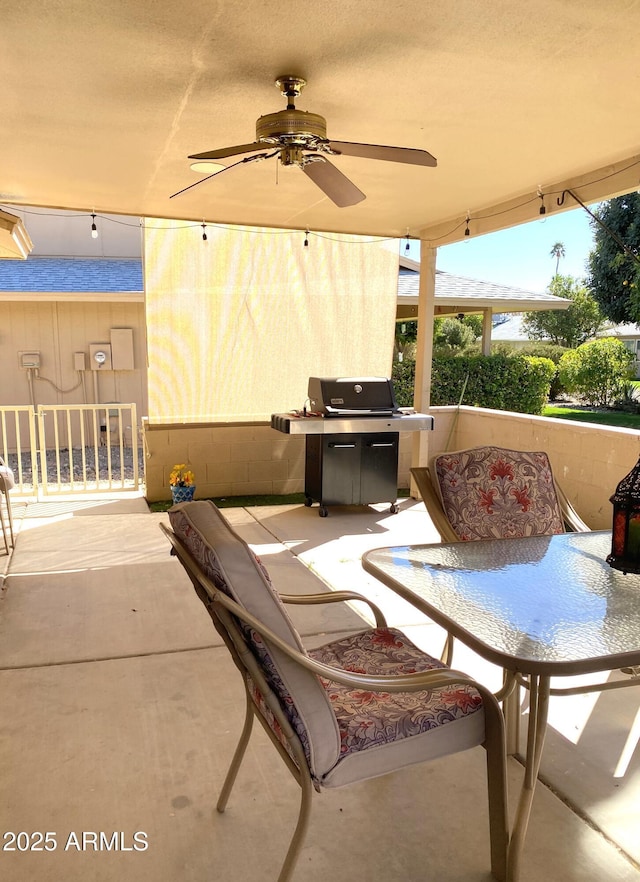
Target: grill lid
(352, 396)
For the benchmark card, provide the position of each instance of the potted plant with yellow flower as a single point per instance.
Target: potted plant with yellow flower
(182, 483)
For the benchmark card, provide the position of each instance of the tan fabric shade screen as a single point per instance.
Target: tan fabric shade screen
(237, 324)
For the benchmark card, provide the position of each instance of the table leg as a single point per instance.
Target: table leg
(512, 712)
(538, 713)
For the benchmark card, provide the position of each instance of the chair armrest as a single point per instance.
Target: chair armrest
(336, 597)
(572, 520)
(433, 504)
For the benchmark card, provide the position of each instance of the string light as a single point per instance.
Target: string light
(204, 231)
(527, 200)
(543, 209)
(306, 238)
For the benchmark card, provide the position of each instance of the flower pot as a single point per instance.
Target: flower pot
(182, 494)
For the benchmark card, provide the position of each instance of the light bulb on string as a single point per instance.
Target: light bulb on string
(204, 231)
(467, 231)
(543, 207)
(306, 239)
(94, 229)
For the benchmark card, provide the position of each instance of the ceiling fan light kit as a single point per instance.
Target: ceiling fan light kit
(300, 139)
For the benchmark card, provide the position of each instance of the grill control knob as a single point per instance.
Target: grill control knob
(357, 388)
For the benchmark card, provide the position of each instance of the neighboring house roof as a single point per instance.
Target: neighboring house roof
(76, 278)
(71, 278)
(510, 331)
(459, 294)
(624, 331)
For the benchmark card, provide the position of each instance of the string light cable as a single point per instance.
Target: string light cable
(628, 251)
(463, 222)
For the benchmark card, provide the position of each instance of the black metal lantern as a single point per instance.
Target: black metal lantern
(625, 539)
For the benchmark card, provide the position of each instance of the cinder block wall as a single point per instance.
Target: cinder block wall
(588, 461)
(234, 459)
(252, 458)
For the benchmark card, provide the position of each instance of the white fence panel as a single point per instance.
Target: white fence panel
(19, 448)
(82, 448)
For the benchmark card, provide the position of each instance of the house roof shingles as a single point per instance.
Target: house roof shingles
(71, 275)
(451, 289)
(75, 275)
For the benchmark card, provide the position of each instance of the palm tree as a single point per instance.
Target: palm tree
(557, 251)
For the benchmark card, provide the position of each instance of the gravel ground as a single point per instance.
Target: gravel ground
(61, 470)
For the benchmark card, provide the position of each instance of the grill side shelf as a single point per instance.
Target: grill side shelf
(292, 425)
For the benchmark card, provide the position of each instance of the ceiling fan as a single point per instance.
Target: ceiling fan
(300, 138)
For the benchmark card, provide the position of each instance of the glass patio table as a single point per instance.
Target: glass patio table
(541, 607)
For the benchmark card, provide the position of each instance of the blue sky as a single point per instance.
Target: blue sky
(520, 256)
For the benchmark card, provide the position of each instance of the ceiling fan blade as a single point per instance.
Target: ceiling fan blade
(333, 183)
(226, 168)
(390, 154)
(229, 151)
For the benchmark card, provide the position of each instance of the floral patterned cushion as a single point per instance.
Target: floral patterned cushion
(259, 700)
(493, 493)
(346, 733)
(371, 719)
(234, 569)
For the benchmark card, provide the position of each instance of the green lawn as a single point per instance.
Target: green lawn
(248, 501)
(602, 417)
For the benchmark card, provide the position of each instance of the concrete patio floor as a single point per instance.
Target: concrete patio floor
(121, 709)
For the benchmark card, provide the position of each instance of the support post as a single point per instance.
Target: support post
(424, 352)
(487, 316)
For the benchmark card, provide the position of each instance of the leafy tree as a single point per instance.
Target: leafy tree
(597, 370)
(452, 335)
(474, 321)
(566, 327)
(614, 275)
(557, 251)
(406, 331)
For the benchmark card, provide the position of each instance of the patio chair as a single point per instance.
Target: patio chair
(358, 707)
(7, 482)
(494, 493)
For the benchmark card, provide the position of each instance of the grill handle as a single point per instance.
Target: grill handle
(380, 444)
(333, 444)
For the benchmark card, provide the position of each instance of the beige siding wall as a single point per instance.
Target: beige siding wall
(588, 461)
(57, 330)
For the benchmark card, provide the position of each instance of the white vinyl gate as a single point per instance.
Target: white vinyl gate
(81, 448)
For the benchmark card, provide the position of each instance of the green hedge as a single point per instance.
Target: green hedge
(555, 353)
(516, 383)
(597, 371)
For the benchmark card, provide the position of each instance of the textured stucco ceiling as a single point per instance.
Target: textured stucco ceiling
(102, 102)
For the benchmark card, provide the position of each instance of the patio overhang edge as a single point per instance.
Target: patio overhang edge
(606, 182)
(15, 242)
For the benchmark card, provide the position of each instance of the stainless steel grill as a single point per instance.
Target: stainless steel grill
(352, 428)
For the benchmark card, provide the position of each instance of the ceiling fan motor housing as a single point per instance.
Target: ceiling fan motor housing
(291, 127)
